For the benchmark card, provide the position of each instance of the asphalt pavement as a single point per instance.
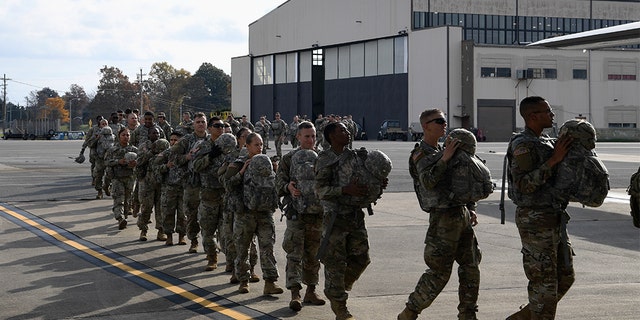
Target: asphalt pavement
(63, 256)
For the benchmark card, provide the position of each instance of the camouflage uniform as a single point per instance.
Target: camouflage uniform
(234, 205)
(191, 197)
(248, 223)
(292, 132)
(450, 237)
(90, 141)
(541, 220)
(102, 178)
(122, 182)
(141, 134)
(211, 192)
(302, 236)
(347, 251)
(279, 129)
(149, 191)
(263, 130)
(172, 179)
(185, 128)
(166, 128)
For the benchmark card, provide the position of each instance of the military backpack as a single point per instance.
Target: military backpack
(302, 172)
(259, 189)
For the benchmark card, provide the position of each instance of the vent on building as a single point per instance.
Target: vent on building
(521, 74)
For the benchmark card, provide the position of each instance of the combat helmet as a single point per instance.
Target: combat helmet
(580, 130)
(130, 156)
(106, 131)
(300, 171)
(260, 165)
(159, 146)
(378, 164)
(80, 158)
(466, 137)
(227, 142)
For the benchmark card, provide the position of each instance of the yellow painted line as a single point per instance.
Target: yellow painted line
(135, 272)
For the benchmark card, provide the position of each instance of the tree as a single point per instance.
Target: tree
(166, 88)
(114, 92)
(54, 110)
(76, 100)
(217, 84)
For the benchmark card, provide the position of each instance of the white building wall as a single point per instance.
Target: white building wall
(240, 86)
(299, 24)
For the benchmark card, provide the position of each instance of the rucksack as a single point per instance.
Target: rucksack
(469, 179)
(105, 141)
(374, 168)
(259, 189)
(302, 172)
(634, 201)
(581, 176)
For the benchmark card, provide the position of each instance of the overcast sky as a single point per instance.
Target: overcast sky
(57, 43)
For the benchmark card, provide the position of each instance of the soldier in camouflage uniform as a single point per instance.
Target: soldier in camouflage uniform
(345, 244)
(122, 165)
(279, 130)
(184, 152)
(187, 125)
(234, 204)
(104, 143)
(90, 140)
(164, 124)
(173, 217)
(292, 131)
(304, 229)
(248, 223)
(141, 133)
(149, 190)
(207, 163)
(262, 128)
(540, 214)
(247, 124)
(450, 237)
(235, 124)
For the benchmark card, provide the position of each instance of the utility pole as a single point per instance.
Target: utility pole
(4, 102)
(140, 81)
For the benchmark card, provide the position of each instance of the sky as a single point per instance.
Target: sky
(58, 43)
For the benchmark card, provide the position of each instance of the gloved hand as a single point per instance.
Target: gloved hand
(82, 151)
(215, 152)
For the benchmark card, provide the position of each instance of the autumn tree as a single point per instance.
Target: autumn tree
(115, 91)
(167, 87)
(54, 110)
(76, 101)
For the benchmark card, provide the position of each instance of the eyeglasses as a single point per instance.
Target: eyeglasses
(217, 125)
(437, 120)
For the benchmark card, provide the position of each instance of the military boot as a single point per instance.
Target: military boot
(296, 300)
(244, 287)
(169, 241)
(161, 236)
(99, 196)
(339, 308)
(312, 297)
(270, 287)
(107, 191)
(194, 246)
(212, 262)
(523, 314)
(234, 279)
(181, 240)
(253, 277)
(408, 314)
(143, 235)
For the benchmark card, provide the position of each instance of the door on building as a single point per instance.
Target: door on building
(496, 119)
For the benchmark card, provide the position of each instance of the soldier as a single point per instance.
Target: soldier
(235, 124)
(141, 133)
(184, 152)
(90, 141)
(164, 124)
(149, 190)
(279, 130)
(207, 163)
(173, 176)
(122, 160)
(292, 131)
(253, 222)
(346, 246)
(262, 128)
(540, 215)
(247, 124)
(304, 229)
(450, 236)
(104, 143)
(187, 125)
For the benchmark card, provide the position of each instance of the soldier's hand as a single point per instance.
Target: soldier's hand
(385, 183)
(473, 218)
(292, 189)
(244, 167)
(560, 150)
(450, 150)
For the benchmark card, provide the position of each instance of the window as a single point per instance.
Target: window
(542, 69)
(621, 70)
(622, 118)
(495, 68)
(580, 69)
(263, 70)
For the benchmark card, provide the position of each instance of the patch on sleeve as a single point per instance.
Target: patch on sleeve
(416, 155)
(520, 151)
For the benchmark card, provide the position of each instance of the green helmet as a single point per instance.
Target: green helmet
(227, 142)
(159, 146)
(378, 164)
(581, 131)
(106, 131)
(466, 137)
(130, 156)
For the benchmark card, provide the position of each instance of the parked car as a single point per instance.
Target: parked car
(415, 130)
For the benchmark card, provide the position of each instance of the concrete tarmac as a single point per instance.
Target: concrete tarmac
(63, 256)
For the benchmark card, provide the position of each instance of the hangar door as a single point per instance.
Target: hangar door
(496, 119)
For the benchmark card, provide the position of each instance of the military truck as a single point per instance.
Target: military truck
(415, 130)
(390, 129)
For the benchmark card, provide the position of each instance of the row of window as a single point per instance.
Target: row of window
(499, 29)
(616, 70)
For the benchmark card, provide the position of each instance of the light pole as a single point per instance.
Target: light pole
(70, 116)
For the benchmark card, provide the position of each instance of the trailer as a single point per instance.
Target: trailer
(42, 129)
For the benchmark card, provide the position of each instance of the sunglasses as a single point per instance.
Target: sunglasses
(217, 125)
(437, 120)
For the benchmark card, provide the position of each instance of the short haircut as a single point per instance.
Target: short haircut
(330, 128)
(251, 137)
(241, 131)
(428, 113)
(122, 129)
(149, 113)
(305, 125)
(528, 104)
(200, 115)
(176, 133)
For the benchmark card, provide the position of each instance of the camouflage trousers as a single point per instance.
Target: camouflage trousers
(293, 140)
(210, 218)
(226, 239)
(101, 179)
(265, 140)
(450, 238)
(245, 225)
(121, 192)
(278, 140)
(191, 201)
(547, 258)
(346, 255)
(301, 242)
(173, 216)
(149, 194)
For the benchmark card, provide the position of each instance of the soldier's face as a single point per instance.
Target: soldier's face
(255, 146)
(200, 125)
(148, 121)
(307, 138)
(436, 125)
(124, 137)
(544, 114)
(153, 134)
